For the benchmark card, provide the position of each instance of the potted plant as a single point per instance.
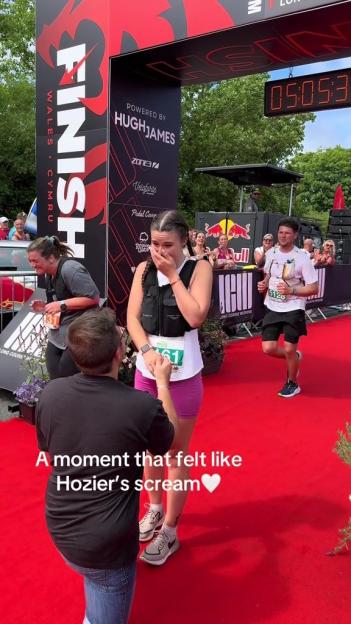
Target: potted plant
(343, 449)
(212, 339)
(28, 393)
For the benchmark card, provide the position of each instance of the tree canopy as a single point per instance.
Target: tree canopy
(224, 124)
(323, 171)
(17, 28)
(17, 109)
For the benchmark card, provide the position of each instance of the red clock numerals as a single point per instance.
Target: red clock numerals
(307, 93)
(316, 92)
(276, 98)
(342, 91)
(324, 91)
(291, 94)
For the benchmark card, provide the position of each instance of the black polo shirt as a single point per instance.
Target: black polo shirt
(83, 421)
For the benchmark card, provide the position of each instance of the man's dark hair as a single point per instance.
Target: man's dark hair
(93, 340)
(290, 223)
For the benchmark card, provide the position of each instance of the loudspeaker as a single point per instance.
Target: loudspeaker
(309, 230)
(340, 213)
(343, 259)
(340, 220)
(340, 229)
(342, 245)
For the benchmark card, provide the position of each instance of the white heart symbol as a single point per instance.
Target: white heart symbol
(211, 482)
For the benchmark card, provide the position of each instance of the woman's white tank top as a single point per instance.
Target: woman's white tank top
(192, 360)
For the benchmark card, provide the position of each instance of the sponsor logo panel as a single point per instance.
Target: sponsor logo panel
(282, 7)
(148, 164)
(321, 287)
(145, 188)
(229, 227)
(235, 294)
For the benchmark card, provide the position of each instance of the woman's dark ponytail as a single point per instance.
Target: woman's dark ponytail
(50, 246)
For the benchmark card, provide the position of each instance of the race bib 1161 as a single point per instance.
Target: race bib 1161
(173, 348)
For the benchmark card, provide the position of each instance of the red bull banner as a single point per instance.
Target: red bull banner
(239, 228)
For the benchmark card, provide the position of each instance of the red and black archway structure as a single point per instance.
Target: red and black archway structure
(108, 105)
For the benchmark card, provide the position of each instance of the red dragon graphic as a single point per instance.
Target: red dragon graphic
(146, 22)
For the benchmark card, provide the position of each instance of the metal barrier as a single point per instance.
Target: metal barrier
(15, 288)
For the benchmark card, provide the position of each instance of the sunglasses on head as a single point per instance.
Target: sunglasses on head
(122, 333)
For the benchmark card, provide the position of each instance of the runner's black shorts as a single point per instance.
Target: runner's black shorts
(292, 324)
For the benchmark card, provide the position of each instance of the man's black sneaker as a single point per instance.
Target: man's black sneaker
(290, 390)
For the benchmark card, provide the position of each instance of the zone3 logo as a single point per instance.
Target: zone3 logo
(145, 163)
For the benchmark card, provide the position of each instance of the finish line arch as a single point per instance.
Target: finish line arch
(108, 105)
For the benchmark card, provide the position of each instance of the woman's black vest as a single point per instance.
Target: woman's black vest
(160, 314)
(56, 289)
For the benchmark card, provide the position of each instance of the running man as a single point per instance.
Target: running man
(290, 277)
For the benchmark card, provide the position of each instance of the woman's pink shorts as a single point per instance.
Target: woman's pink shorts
(186, 394)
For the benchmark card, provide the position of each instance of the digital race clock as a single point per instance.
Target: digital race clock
(308, 93)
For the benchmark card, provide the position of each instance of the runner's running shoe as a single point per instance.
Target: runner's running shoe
(290, 390)
(151, 521)
(157, 552)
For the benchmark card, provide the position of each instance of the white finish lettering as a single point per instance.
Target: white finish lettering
(71, 227)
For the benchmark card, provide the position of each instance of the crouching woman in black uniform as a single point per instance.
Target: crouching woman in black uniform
(70, 291)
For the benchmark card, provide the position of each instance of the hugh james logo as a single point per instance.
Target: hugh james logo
(128, 121)
(144, 188)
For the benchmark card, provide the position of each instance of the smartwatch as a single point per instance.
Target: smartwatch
(63, 306)
(145, 348)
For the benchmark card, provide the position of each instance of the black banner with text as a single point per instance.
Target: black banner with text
(235, 293)
(71, 131)
(143, 168)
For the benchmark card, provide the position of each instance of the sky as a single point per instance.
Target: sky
(331, 127)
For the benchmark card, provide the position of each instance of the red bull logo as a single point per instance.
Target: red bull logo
(238, 230)
(214, 230)
(242, 257)
(233, 230)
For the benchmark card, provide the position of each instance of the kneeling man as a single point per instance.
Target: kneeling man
(96, 429)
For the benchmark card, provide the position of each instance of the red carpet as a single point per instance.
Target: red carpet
(254, 549)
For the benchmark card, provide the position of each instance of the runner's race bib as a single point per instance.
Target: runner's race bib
(274, 294)
(52, 321)
(172, 348)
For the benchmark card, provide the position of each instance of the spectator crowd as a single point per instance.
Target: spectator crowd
(17, 231)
